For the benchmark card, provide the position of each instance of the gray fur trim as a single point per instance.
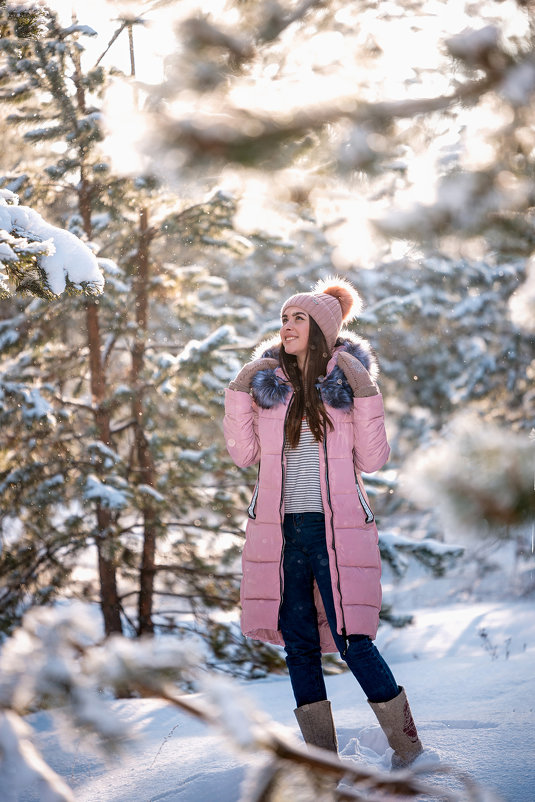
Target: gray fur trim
(335, 390)
(269, 390)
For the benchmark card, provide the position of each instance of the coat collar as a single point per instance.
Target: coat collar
(271, 387)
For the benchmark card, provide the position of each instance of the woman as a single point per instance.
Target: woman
(309, 412)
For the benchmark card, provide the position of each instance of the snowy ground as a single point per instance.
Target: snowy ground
(471, 695)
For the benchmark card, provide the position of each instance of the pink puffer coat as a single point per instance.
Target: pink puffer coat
(254, 433)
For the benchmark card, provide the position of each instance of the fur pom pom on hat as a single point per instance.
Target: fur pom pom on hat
(331, 302)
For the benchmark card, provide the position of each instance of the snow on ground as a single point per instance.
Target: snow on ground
(472, 696)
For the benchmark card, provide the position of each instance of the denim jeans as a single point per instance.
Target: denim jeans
(306, 559)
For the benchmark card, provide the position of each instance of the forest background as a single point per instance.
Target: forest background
(214, 161)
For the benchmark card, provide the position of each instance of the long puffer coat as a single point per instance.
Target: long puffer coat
(254, 433)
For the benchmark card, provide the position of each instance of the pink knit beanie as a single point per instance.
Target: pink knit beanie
(332, 301)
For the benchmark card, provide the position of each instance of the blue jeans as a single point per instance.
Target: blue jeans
(306, 559)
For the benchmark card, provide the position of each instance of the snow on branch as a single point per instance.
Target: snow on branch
(196, 349)
(239, 135)
(83, 29)
(110, 497)
(40, 258)
(431, 553)
(34, 407)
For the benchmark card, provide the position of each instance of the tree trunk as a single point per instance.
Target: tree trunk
(145, 460)
(109, 597)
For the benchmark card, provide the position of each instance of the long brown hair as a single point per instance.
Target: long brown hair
(307, 399)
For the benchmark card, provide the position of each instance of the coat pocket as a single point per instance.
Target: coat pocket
(365, 506)
(251, 509)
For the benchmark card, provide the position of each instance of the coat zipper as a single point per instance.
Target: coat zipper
(281, 563)
(344, 631)
(365, 505)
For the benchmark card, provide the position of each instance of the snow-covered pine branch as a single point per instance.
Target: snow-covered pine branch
(195, 349)
(40, 258)
(23, 19)
(57, 658)
(432, 553)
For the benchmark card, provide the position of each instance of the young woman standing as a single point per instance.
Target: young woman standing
(309, 412)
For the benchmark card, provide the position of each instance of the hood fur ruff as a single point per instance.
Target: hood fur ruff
(269, 390)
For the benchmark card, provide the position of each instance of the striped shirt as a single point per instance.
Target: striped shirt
(302, 489)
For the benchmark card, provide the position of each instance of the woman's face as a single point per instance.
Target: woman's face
(294, 332)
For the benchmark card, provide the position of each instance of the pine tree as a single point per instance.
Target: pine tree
(133, 394)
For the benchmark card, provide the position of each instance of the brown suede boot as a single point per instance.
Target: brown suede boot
(317, 726)
(398, 725)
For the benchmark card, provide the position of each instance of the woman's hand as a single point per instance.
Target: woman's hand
(358, 377)
(242, 382)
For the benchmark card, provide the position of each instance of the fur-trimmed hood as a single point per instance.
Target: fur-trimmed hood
(271, 387)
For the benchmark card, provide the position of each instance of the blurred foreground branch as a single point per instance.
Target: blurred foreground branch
(70, 666)
(255, 731)
(244, 137)
(479, 475)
